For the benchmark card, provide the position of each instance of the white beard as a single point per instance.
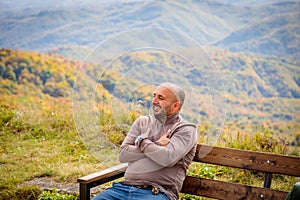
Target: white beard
(159, 113)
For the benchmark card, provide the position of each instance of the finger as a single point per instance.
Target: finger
(168, 133)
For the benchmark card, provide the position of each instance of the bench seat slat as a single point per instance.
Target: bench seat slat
(225, 190)
(266, 162)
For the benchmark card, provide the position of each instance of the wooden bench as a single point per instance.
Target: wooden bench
(250, 160)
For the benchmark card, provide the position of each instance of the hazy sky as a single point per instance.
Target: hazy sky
(9, 5)
(33, 4)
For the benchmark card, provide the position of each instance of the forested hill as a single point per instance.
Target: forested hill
(256, 89)
(36, 75)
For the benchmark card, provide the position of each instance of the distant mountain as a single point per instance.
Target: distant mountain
(278, 35)
(228, 24)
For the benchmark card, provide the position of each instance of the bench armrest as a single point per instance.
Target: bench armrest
(98, 178)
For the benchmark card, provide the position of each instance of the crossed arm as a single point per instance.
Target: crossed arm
(165, 151)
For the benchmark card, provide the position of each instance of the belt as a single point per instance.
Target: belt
(154, 189)
(143, 186)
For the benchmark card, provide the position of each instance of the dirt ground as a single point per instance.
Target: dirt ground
(47, 183)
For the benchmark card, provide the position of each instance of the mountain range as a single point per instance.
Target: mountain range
(269, 28)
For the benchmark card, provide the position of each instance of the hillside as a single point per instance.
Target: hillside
(238, 92)
(256, 90)
(36, 75)
(269, 76)
(233, 26)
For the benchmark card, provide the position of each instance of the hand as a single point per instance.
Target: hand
(164, 140)
(139, 138)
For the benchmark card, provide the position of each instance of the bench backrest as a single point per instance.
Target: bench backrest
(265, 162)
(252, 160)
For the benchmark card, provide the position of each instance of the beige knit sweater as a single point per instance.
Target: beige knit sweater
(153, 164)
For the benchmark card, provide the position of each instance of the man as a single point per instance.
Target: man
(159, 148)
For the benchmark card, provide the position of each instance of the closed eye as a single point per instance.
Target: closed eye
(160, 97)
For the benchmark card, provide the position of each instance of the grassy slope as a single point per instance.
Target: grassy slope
(40, 140)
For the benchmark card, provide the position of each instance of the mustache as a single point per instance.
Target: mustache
(156, 105)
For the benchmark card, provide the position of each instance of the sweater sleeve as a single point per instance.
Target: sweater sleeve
(182, 141)
(128, 151)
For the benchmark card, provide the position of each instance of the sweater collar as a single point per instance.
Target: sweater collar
(170, 119)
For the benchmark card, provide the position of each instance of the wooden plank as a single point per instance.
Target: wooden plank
(266, 162)
(106, 179)
(105, 174)
(225, 190)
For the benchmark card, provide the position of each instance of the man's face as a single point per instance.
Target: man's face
(164, 102)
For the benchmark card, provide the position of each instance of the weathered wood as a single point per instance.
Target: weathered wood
(104, 174)
(98, 178)
(225, 190)
(266, 162)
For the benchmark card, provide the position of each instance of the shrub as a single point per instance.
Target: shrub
(6, 115)
(54, 195)
(24, 193)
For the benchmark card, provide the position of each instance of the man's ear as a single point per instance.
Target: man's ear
(177, 105)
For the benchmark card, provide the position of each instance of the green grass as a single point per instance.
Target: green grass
(35, 193)
(54, 195)
(35, 143)
(25, 193)
(38, 139)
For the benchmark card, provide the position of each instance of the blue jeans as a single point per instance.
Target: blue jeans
(126, 192)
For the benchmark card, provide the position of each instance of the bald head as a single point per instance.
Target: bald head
(177, 91)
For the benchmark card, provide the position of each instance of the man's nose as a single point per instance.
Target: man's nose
(154, 100)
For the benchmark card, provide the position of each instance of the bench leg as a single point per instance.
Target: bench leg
(84, 191)
(268, 180)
